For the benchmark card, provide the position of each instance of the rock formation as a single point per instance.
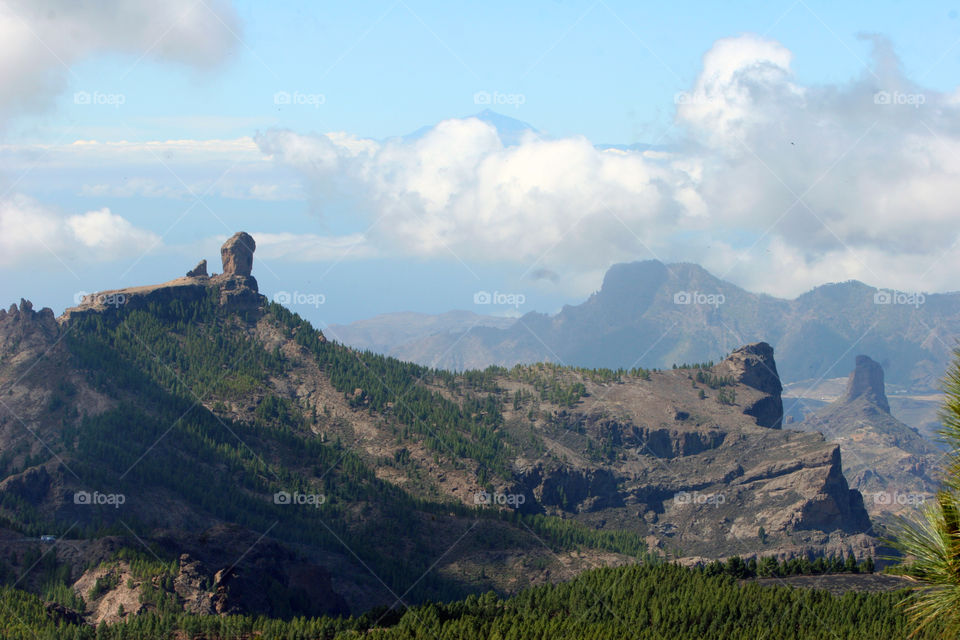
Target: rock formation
(890, 463)
(754, 366)
(665, 457)
(866, 380)
(237, 254)
(238, 288)
(199, 270)
(22, 327)
(212, 580)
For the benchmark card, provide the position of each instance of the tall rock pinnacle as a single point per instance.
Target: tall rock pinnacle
(237, 254)
(866, 380)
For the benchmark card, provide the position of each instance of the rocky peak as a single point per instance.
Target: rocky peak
(866, 381)
(24, 316)
(199, 270)
(754, 366)
(27, 332)
(237, 254)
(238, 289)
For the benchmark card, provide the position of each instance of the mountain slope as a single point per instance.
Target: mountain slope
(241, 452)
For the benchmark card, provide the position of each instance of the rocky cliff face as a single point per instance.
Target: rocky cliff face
(665, 457)
(23, 328)
(269, 579)
(225, 570)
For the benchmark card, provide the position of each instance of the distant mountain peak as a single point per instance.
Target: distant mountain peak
(866, 380)
(627, 274)
(510, 130)
(503, 123)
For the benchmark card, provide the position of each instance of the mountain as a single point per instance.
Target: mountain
(510, 130)
(890, 463)
(190, 446)
(654, 315)
(921, 410)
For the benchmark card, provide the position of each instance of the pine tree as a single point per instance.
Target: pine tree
(931, 540)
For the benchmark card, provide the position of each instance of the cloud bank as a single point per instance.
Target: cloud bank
(30, 232)
(41, 39)
(39, 42)
(776, 185)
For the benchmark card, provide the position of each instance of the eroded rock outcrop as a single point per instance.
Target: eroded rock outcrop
(238, 288)
(237, 254)
(834, 502)
(23, 323)
(866, 380)
(199, 270)
(754, 366)
(889, 462)
(571, 490)
(673, 443)
(687, 457)
(267, 576)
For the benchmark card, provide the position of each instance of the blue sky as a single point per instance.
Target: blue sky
(769, 176)
(606, 70)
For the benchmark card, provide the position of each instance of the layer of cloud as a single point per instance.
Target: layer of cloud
(781, 186)
(174, 169)
(41, 39)
(84, 153)
(308, 247)
(459, 189)
(31, 232)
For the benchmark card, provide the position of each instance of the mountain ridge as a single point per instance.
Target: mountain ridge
(651, 314)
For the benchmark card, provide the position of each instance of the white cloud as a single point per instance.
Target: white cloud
(41, 39)
(459, 189)
(139, 187)
(30, 232)
(150, 152)
(779, 184)
(174, 169)
(109, 233)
